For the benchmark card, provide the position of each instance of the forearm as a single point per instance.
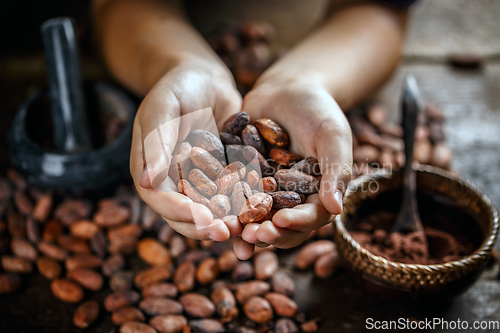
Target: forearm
(141, 40)
(351, 55)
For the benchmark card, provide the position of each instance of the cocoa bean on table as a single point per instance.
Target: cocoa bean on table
(86, 314)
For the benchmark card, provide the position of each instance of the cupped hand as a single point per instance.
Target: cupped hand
(159, 126)
(317, 127)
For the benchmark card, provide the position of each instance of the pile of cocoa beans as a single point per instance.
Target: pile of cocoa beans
(379, 144)
(187, 285)
(225, 174)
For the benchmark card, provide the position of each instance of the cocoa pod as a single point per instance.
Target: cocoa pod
(136, 327)
(9, 283)
(251, 137)
(98, 244)
(245, 290)
(71, 211)
(365, 154)
(169, 323)
(256, 160)
(312, 251)
(243, 271)
(184, 277)
(197, 305)
(50, 269)
(16, 225)
(177, 245)
(308, 165)
(225, 303)
(72, 244)
(253, 179)
(207, 141)
(153, 275)
(52, 251)
(205, 162)
(52, 230)
(127, 314)
(32, 230)
(16, 265)
(207, 271)
(84, 229)
(266, 264)
(258, 309)
(206, 326)
(43, 207)
(66, 290)
(293, 180)
(113, 264)
(241, 193)
(272, 132)
(229, 176)
(255, 208)
(282, 304)
(285, 199)
(181, 162)
(163, 289)
(202, 183)
(220, 205)
(441, 155)
(160, 305)
(285, 325)
(111, 215)
(121, 281)
(236, 123)
(85, 277)
(23, 204)
(83, 261)
(268, 184)
(23, 249)
(283, 284)
(124, 231)
(284, 157)
(120, 299)
(86, 314)
(227, 261)
(153, 252)
(234, 153)
(185, 188)
(327, 264)
(230, 139)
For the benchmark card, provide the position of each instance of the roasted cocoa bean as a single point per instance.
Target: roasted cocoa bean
(16, 265)
(83, 261)
(205, 162)
(125, 245)
(308, 165)
(251, 137)
(52, 230)
(253, 179)
(266, 264)
(153, 252)
(243, 271)
(98, 244)
(32, 230)
(206, 326)
(85, 277)
(153, 275)
(312, 251)
(9, 282)
(71, 211)
(120, 299)
(282, 304)
(84, 229)
(234, 153)
(272, 132)
(121, 281)
(86, 314)
(197, 305)
(327, 264)
(220, 205)
(136, 327)
(188, 190)
(16, 225)
(229, 176)
(124, 231)
(163, 289)
(284, 157)
(225, 303)
(72, 244)
(184, 277)
(258, 309)
(293, 180)
(111, 215)
(181, 162)
(194, 256)
(245, 290)
(268, 184)
(177, 245)
(230, 139)
(285, 199)
(52, 251)
(282, 283)
(160, 305)
(256, 160)
(255, 208)
(207, 141)
(207, 271)
(43, 207)
(49, 268)
(66, 290)
(285, 325)
(236, 123)
(169, 323)
(240, 194)
(23, 249)
(202, 183)
(127, 314)
(113, 264)
(227, 261)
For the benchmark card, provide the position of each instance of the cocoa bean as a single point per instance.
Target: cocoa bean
(66, 290)
(43, 207)
(253, 179)
(52, 230)
(266, 264)
(205, 162)
(9, 283)
(121, 281)
(153, 252)
(230, 139)
(227, 261)
(16, 179)
(164, 235)
(32, 230)
(149, 218)
(197, 305)
(86, 314)
(153, 275)
(240, 194)
(202, 183)
(160, 305)
(282, 283)
(293, 180)
(185, 188)
(234, 153)
(441, 155)
(229, 176)
(308, 165)
(125, 245)
(84, 229)
(127, 314)
(23, 249)
(285, 199)
(365, 154)
(85, 277)
(111, 216)
(16, 225)
(72, 244)
(282, 304)
(312, 251)
(422, 151)
(194, 256)
(163, 289)
(206, 326)
(22, 203)
(255, 208)
(71, 211)
(258, 310)
(285, 325)
(243, 271)
(309, 326)
(177, 246)
(184, 277)
(251, 137)
(83, 261)
(225, 303)
(120, 299)
(256, 160)
(169, 323)
(236, 123)
(16, 265)
(98, 244)
(245, 290)
(52, 251)
(220, 205)
(284, 157)
(207, 271)
(50, 269)
(207, 141)
(327, 264)
(268, 184)
(124, 231)
(272, 132)
(136, 327)
(113, 264)
(181, 162)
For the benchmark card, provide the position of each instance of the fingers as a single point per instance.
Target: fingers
(217, 231)
(334, 147)
(242, 249)
(232, 224)
(269, 233)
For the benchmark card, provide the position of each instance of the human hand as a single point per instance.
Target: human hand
(160, 125)
(317, 127)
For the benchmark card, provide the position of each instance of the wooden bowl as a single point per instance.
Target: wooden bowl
(395, 280)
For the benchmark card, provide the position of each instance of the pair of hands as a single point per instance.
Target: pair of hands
(316, 125)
